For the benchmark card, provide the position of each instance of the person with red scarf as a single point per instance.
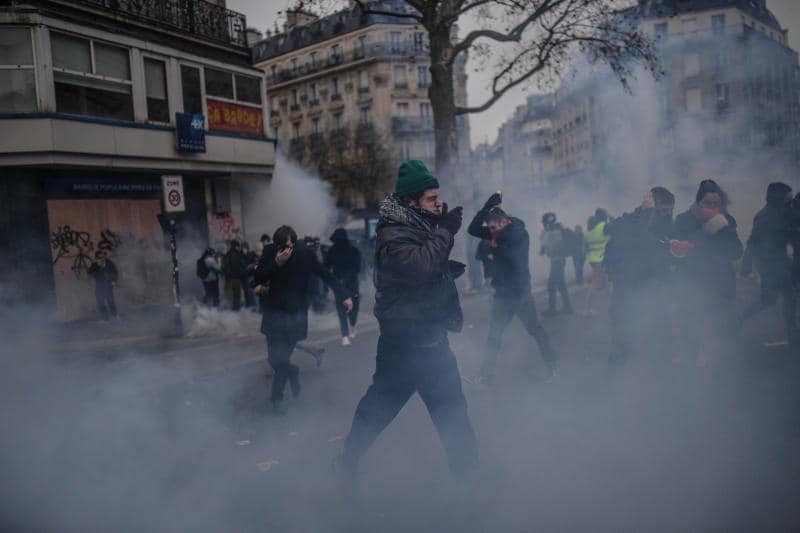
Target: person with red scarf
(509, 244)
(705, 273)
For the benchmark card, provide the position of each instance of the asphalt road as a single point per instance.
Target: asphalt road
(186, 441)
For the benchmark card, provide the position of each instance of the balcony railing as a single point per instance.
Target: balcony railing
(412, 123)
(196, 17)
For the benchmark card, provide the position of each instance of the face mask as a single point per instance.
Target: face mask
(707, 213)
(494, 234)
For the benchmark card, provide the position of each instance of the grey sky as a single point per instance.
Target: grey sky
(262, 15)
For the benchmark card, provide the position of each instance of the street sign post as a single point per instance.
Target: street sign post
(174, 203)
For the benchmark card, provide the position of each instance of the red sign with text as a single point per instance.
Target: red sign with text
(233, 118)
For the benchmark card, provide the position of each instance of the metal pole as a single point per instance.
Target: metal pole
(176, 288)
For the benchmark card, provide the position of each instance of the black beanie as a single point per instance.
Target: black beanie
(776, 193)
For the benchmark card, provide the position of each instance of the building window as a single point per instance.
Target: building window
(273, 73)
(689, 25)
(294, 66)
(419, 41)
(691, 65)
(405, 151)
(336, 54)
(361, 47)
(394, 40)
(17, 82)
(219, 83)
(315, 127)
(248, 89)
(335, 86)
(337, 121)
(423, 77)
(190, 86)
(718, 24)
(364, 116)
(400, 80)
(295, 130)
(363, 80)
(425, 114)
(314, 60)
(402, 109)
(155, 77)
(694, 100)
(275, 104)
(91, 78)
(723, 95)
(313, 97)
(661, 31)
(295, 99)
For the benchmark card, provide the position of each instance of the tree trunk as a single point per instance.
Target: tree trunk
(442, 96)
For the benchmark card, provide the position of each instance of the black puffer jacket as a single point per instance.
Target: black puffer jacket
(416, 300)
(511, 275)
(344, 260)
(768, 242)
(709, 265)
(287, 301)
(638, 251)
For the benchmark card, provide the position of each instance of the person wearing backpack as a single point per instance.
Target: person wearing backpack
(555, 245)
(208, 270)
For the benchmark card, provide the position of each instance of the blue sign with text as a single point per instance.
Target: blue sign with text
(190, 128)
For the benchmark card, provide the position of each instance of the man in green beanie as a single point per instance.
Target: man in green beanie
(416, 304)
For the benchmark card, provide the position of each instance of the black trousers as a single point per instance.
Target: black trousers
(400, 371)
(279, 354)
(640, 315)
(344, 316)
(556, 282)
(503, 311)
(211, 289)
(104, 296)
(772, 288)
(578, 262)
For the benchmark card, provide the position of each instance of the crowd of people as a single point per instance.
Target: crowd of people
(672, 278)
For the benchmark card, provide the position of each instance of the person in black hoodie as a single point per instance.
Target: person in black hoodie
(638, 262)
(768, 248)
(706, 275)
(344, 261)
(234, 266)
(105, 276)
(285, 268)
(509, 245)
(416, 304)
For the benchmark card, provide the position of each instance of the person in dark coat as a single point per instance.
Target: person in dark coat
(767, 247)
(344, 261)
(251, 262)
(555, 246)
(638, 262)
(285, 269)
(707, 295)
(578, 254)
(509, 243)
(105, 276)
(416, 304)
(234, 267)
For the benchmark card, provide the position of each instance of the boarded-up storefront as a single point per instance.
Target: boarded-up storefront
(128, 231)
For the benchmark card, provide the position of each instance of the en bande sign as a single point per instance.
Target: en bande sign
(174, 200)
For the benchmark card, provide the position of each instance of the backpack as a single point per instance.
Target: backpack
(202, 268)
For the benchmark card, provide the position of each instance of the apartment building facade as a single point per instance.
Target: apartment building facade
(98, 101)
(352, 77)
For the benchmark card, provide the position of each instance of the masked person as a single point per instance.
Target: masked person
(555, 245)
(285, 269)
(638, 262)
(105, 276)
(416, 304)
(509, 245)
(596, 239)
(707, 281)
(344, 261)
(768, 248)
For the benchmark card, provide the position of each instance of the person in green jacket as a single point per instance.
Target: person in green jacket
(596, 239)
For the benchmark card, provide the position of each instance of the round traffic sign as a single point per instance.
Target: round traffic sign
(174, 198)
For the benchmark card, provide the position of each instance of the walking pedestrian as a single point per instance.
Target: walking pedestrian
(285, 269)
(706, 275)
(596, 239)
(344, 261)
(767, 247)
(105, 275)
(209, 270)
(509, 244)
(251, 262)
(555, 247)
(638, 262)
(235, 269)
(578, 253)
(416, 305)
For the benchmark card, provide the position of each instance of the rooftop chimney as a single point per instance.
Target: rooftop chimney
(297, 16)
(253, 36)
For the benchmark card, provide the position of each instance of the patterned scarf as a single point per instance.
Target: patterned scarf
(392, 211)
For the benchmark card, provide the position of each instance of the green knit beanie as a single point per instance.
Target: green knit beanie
(412, 177)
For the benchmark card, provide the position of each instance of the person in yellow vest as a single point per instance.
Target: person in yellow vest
(596, 239)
